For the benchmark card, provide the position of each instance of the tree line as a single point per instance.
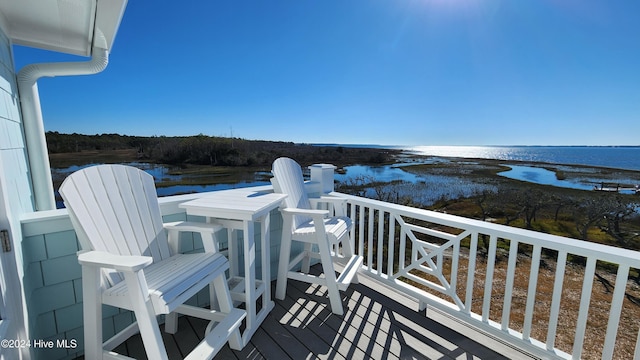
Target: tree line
(212, 150)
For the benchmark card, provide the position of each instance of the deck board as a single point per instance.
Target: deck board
(374, 326)
(345, 331)
(285, 340)
(281, 316)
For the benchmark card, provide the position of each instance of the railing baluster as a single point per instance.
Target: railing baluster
(585, 299)
(531, 291)
(616, 308)
(471, 272)
(440, 264)
(508, 289)
(636, 353)
(403, 248)
(380, 241)
(391, 245)
(454, 267)
(370, 239)
(361, 224)
(351, 208)
(414, 252)
(555, 301)
(488, 285)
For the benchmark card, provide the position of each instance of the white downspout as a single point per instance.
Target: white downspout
(36, 142)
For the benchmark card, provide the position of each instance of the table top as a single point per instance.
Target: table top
(240, 204)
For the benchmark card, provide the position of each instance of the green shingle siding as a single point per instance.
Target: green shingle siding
(52, 297)
(61, 244)
(34, 249)
(61, 269)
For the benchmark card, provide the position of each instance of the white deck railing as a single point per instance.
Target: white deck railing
(468, 268)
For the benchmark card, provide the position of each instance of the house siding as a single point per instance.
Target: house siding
(53, 288)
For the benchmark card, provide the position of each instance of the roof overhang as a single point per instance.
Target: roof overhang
(67, 26)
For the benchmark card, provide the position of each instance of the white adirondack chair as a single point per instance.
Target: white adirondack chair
(313, 227)
(130, 260)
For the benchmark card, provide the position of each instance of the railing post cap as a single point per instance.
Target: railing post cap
(322, 166)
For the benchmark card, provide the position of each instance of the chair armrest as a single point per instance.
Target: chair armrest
(315, 214)
(332, 199)
(339, 203)
(102, 259)
(192, 226)
(206, 230)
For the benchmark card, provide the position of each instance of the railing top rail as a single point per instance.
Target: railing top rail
(554, 242)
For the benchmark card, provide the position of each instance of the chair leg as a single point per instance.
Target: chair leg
(306, 261)
(283, 265)
(145, 316)
(171, 323)
(347, 248)
(330, 277)
(92, 312)
(226, 304)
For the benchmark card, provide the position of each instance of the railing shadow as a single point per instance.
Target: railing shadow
(373, 326)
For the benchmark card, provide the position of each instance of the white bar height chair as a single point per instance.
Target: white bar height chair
(305, 224)
(130, 260)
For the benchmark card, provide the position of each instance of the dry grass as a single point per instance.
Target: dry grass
(601, 297)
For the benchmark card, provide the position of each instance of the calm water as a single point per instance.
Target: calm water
(620, 157)
(385, 173)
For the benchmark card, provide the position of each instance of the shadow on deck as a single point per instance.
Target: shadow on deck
(374, 326)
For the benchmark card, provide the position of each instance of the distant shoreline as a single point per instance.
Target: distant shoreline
(396, 147)
(610, 157)
(625, 157)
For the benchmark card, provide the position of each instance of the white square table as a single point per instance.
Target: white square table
(240, 209)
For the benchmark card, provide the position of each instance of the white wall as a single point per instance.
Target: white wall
(15, 198)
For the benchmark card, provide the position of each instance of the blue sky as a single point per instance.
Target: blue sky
(392, 72)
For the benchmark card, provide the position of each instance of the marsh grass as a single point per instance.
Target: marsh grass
(63, 160)
(208, 175)
(599, 308)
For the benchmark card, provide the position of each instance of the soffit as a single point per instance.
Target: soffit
(61, 25)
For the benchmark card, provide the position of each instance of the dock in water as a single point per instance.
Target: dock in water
(618, 188)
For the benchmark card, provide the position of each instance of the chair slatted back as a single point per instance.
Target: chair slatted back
(114, 208)
(288, 175)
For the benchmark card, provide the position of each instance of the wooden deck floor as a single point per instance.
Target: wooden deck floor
(374, 326)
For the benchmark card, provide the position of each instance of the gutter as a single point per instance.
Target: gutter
(36, 142)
